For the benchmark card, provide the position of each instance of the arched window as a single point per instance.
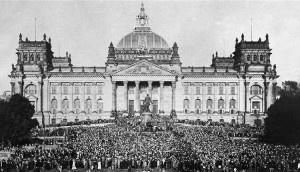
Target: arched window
(248, 58)
(197, 105)
(232, 104)
(88, 105)
(37, 57)
(100, 105)
(25, 57)
(209, 104)
(255, 58)
(31, 57)
(261, 58)
(77, 103)
(53, 103)
(221, 104)
(65, 105)
(256, 89)
(30, 89)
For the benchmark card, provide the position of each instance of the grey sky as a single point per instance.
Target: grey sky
(200, 28)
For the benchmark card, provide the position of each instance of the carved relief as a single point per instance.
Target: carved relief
(144, 70)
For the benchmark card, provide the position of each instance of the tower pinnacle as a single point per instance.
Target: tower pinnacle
(142, 18)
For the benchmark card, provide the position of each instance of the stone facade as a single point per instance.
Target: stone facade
(238, 88)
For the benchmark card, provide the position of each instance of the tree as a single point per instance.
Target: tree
(16, 120)
(282, 123)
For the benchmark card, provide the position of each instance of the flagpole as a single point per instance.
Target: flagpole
(251, 29)
(35, 29)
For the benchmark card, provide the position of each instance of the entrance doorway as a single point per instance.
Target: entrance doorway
(131, 107)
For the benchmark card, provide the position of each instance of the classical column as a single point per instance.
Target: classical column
(94, 92)
(161, 86)
(12, 88)
(173, 94)
(59, 102)
(82, 102)
(215, 97)
(203, 101)
(114, 96)
(137, 95)
(71, 97)
(192, 100)
(150, 88)
(126, 95)
(21, 83)
(227, 97)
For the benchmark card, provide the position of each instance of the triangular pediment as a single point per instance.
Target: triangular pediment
(255, 97)
(144, 67)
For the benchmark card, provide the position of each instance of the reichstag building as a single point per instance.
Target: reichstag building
(234, 89)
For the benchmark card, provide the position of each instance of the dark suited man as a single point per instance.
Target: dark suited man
(147, 103)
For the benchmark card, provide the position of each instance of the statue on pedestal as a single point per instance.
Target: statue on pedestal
(147, 103)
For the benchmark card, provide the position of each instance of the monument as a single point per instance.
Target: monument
(146, 113)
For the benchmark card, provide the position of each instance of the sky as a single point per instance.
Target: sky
(200, 28)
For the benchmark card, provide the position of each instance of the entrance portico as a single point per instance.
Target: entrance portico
(143, 78)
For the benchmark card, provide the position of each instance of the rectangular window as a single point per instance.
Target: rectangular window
(232, 90)
(100, 90)
(76, 90)
(209, 90)
(198, 90)
(186, 90)
(65, 90)
(88, 90)
(53, 90)
(221, 90)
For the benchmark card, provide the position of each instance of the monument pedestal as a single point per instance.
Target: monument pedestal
(146, 117)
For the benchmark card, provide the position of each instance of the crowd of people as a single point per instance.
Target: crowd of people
(177, 147)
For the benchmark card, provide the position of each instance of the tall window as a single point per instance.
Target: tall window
(221, 90)
(65, 89)
(256, 107)
(255, 58)
(77, 103)
(88, 103)
(100, 105)
(198, 104)
(209, 104)
(65, 106)
(232, 104)
(25, 57)
(53, 90)
(232, 90)
(256, 89)
(248, 58)
(261, 58)
(198, 90)
(88, 89)
(77, 90)
(100, 90)
(186, 90)
(220, 104)
(30, 89)
(186, 105)
(209, 90)
(53, 103)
